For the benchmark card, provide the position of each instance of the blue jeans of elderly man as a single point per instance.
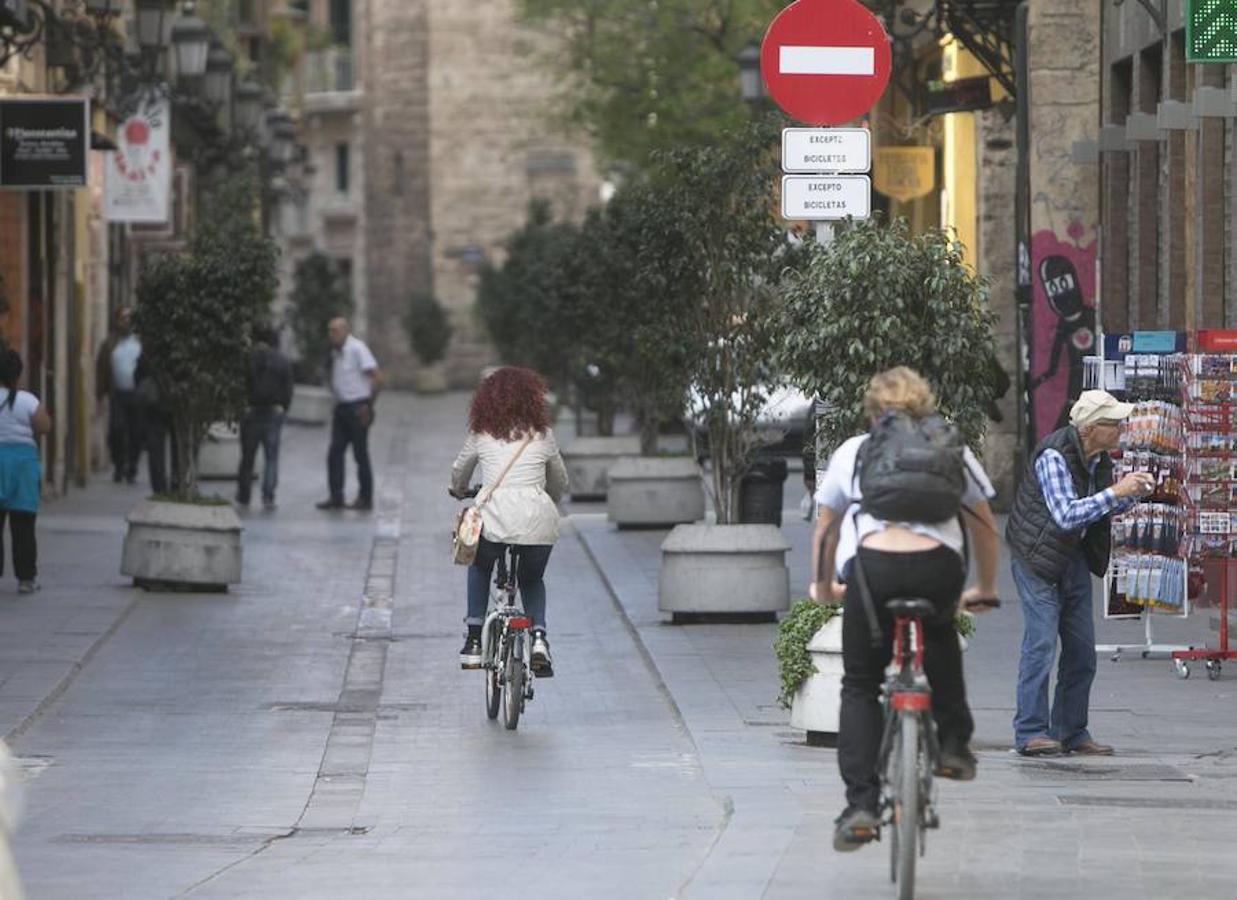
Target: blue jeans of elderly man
(1059, 535)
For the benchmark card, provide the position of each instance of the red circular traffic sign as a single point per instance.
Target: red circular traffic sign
(825, 62)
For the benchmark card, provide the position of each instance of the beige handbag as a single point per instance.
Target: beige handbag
(467, 534)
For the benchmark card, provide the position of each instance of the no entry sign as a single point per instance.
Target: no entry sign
(825, 62)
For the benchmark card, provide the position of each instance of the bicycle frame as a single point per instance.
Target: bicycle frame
(507, 612)
(906, 691)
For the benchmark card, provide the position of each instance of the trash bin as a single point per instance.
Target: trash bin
(760, 492)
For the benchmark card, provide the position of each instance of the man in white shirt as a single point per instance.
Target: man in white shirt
(116, 379)
(355, 381)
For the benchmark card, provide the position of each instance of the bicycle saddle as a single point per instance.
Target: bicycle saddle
(911, 606)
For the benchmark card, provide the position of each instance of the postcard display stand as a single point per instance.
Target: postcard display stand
(1148, 572)
(1210, 376)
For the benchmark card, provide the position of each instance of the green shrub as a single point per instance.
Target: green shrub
(429, 330)
(794, 663)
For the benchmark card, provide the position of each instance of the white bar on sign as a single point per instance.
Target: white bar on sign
(827, 60)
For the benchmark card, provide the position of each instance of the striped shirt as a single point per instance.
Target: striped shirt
(1069, 511)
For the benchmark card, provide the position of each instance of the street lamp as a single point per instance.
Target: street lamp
(218, 86)
(150, 15)
(248, 106)
(192, 40)
(751, 85)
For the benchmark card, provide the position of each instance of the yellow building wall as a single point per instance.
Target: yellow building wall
(960, 175)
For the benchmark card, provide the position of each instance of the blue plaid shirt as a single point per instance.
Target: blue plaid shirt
(1069, 511)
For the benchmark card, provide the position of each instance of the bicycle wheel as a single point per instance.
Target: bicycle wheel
(513, 682)
(906, 806)
(493, 692)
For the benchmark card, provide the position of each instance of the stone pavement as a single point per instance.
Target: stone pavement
(309, 734)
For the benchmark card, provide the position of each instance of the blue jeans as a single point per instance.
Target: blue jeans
(259, 426)
(1050, 611)
(532, 560)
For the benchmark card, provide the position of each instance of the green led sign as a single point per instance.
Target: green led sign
(1211, 31)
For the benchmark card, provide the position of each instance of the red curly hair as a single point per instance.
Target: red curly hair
(510, 403)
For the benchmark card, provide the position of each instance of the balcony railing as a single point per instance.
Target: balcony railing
(329, 71)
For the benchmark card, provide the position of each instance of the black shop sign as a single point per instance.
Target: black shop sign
(44, 142)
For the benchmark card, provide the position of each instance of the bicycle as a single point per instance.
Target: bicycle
(506, 645)
(910, 751)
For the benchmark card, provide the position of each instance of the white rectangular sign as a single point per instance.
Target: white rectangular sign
(826, 150)
(137, 182)
(826, 60)
(826, 196)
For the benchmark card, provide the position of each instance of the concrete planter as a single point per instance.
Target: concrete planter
(430, 379)
(182, 545)
(589, 460)
(311, 405)
(724, 571)
(655, 491)
(818, 702)
(219, 457)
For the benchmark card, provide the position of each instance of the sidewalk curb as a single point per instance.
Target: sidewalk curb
(66, 681)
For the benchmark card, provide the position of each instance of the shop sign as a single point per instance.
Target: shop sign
(137, 182)
(960, 95)
(44, 142)
(904, 173)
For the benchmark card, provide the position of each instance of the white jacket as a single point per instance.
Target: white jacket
(523, 510)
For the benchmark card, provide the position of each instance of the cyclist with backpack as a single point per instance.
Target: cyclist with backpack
(890, 527)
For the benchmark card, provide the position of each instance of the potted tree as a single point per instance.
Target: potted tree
(886, 297)
(540, 314)
(429, 334)
(194, 313)
(319, 293)
(640, 339)
(718, 212)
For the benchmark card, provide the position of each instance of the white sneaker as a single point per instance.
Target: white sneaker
(28, 587)
(542, 664)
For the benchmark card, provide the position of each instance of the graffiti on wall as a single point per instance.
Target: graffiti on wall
(1062, 327)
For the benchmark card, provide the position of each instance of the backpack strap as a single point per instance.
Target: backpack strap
(875, 633)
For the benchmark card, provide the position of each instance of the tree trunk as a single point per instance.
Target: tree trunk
(648, 434)
(184, 433)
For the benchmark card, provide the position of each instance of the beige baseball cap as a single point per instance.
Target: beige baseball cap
(1094, 406)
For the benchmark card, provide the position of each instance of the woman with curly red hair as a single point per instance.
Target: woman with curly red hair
(508, 426)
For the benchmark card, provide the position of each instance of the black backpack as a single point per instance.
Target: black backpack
(911, 469)
(270, 377)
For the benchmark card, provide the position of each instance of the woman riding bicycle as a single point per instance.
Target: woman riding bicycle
(509, 426)
(898, 559)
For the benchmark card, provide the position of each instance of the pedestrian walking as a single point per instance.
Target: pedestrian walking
(522, 479)
(116, 380)
(269, 387)
(22, 419)
(157, 425)
(1059, 535)
(355, 381)
(865, 560)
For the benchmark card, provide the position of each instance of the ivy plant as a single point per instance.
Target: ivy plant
(879, 296)
(794, 632)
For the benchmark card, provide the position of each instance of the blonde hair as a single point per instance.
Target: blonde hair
(899, 388)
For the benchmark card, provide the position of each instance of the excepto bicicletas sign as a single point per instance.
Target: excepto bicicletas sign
(137, 181)
(44, 142)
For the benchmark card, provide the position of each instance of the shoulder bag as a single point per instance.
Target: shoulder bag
(467, 534)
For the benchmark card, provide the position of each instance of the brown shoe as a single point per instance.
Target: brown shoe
(1091, 748)
(1040, 746)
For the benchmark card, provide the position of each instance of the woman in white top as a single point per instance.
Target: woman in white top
(899, 559)
(22, 417)
(509, 427)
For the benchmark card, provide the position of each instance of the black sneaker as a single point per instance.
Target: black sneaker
(957, 764)
(330, 504)
(856, 826)
(542, 664)
(361, 505)
(470, 653)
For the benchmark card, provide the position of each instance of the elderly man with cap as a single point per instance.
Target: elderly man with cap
(1059, 535)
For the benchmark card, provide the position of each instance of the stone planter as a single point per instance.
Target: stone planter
(431, 379)
(818, 702)
(219, 457)
(182, 546)
(646, 491)
(311, 405)
(589, 460)
(724, 572)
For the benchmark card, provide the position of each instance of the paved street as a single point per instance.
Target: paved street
(310, 733)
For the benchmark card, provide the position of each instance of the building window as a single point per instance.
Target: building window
(341, 22)
(341, 167)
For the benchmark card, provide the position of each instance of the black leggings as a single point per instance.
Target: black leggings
(25, 548)
(936, 575)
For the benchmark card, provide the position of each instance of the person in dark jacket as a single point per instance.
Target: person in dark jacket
(269, 384)
(1059, 534)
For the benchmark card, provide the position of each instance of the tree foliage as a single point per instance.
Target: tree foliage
(319, 293)
(195, 312)
(649, 74)
(878, 297)
(727, 251)
(429, 330)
